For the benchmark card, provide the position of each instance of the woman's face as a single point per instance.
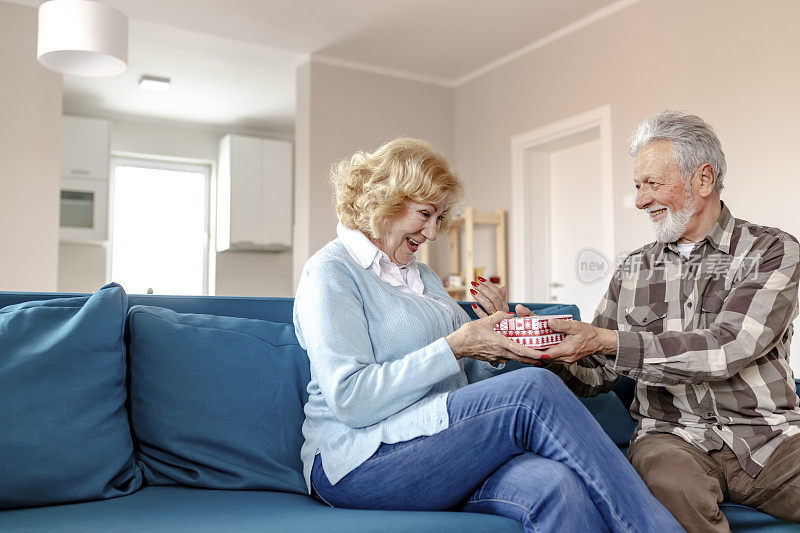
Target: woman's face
(416, 224)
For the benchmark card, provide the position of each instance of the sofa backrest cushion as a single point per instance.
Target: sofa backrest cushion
(64, 432)
(217, 402)
(613, 416)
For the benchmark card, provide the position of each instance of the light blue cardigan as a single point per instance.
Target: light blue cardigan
(380, 366)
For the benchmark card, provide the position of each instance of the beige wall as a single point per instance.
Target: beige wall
(733, 62)
(339, 111)
(30, 148)
(165, 139)
(301, 239)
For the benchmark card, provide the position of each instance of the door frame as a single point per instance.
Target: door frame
(530, 193)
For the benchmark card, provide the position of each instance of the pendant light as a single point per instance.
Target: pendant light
(83, 38)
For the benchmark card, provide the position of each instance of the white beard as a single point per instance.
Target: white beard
(674, 224)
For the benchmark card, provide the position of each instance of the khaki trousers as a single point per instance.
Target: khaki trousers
(692, 483)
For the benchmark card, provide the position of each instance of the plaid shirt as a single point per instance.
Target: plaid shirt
(706, 339)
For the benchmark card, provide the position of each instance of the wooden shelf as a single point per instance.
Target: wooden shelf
(467, 222)
(458, 293)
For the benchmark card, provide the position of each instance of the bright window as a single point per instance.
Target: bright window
(159, 226)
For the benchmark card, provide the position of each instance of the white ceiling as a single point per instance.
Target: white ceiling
(232, 62)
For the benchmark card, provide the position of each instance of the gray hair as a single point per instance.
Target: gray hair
(693, 141)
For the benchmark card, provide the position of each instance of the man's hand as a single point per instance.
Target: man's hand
(581, 339)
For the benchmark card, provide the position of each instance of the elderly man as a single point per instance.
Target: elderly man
(701, 319)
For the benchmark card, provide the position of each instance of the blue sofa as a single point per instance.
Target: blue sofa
(169, 413)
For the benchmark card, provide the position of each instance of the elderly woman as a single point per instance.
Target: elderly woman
(401, 414)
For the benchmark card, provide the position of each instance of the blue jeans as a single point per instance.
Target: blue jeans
(518, 445)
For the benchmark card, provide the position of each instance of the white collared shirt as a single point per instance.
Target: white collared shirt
(404, 278)
(685, 249)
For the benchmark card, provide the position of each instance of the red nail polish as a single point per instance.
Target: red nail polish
(481, 279)
(473, 292)
(474, 284)
(474, 305)
(545, 356)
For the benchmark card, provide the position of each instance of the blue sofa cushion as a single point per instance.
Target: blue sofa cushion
(64, 433)
(170, 509)
(612, 414)
(217, 402)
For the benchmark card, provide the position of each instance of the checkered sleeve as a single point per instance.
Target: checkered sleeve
(751, 319)
(592, 375)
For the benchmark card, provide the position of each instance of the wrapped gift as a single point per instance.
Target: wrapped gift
(533, 331)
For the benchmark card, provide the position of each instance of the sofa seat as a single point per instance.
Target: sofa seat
(169, 509)
(743, 518)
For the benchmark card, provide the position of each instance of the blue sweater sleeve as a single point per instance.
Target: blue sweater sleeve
(331, 324)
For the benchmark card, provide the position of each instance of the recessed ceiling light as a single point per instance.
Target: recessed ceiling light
(153, 83)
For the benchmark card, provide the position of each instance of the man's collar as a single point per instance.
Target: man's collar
(659, 251)
(719, 236)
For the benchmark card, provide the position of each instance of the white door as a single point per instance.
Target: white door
(562, 229)
(579, 271)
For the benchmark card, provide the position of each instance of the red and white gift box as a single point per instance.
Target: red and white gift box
(533, 331)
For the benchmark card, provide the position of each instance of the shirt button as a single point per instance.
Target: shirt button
(688, 304)
(709, 415)
(719, 426)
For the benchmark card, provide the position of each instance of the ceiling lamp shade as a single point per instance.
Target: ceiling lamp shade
(83, 38)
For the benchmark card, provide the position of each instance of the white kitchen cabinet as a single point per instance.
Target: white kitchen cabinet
(254, 194)
(84, 147)
(83, 216)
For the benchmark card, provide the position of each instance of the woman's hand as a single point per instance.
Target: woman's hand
(479, 340)
(521, 310)
(492, 299)
(489, 298)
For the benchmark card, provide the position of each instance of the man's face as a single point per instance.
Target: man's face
(662, 192)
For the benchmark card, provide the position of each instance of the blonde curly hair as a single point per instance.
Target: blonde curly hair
(371, 188)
